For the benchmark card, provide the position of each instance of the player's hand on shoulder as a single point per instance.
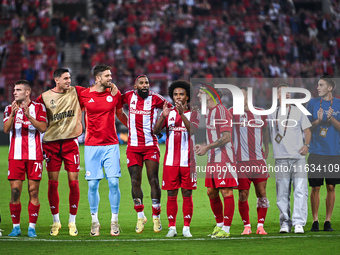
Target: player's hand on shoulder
(114, 89)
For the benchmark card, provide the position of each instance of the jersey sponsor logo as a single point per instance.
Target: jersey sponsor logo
(109, 99)
(91, 100)
(52, 103)
(20, 121)
(211, 127)
(142, 112)
(133, 102)
(172, 119)
(63, 115)
(172, 128)
(222, 183)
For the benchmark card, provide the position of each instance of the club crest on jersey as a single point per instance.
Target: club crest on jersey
(109, 99)
(53, 105)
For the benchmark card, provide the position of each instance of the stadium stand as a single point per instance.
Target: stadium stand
(174, 39)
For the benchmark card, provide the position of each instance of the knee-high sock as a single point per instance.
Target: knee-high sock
(262, 208)
(33, 212)
(243, 208)
(74, 196)
(217, 208)
(188, 209)
(114, 194)
(15, 210)
(53, 196)
(171, 210)
(93, 195)
(229, 208)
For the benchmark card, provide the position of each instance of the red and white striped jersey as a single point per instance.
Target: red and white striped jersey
(218, 120)
(248, 133)
(142, 117)
(179, 143)
(25, 139)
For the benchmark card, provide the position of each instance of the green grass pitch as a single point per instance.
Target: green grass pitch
(149, 242)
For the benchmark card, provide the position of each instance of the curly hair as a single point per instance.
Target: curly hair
(180, 84)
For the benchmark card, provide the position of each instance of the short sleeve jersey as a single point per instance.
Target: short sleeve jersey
(179, 142)
(218, 120)
(248, 133)
(142, 117)
(330, 144)
(100, 108)
(25, 139)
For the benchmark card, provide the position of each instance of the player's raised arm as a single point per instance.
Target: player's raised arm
(9, 116)
(159, 124)
(41, 126)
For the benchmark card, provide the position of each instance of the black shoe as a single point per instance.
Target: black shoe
(327, 226)
(315, 226)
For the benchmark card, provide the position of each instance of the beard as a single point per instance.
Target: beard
(106, 85)
(143, 94)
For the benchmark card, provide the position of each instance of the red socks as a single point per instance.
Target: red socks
(74, 196)
(229, 207)
(217, 208)
(188, 208)
(156, 210)
(15, 210)
(261, 214)
(243, 208)
(33, 212)
(139, 208)
(171, 210)
(53, 196)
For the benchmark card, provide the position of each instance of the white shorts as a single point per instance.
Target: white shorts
(99, 157)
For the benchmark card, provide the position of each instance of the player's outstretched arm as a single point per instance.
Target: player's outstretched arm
(122, 116)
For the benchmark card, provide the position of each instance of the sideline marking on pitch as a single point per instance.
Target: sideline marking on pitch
(27, 239)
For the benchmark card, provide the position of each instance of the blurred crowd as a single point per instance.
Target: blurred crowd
(181, 39)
